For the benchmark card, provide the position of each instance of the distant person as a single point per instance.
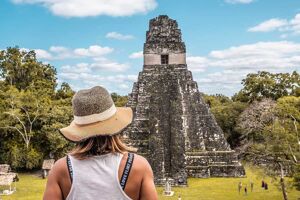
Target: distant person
(246, 190)
(263, 184)
(240, 185)
(179, 197)
(252, 186)
(100, 166)
(266, 186)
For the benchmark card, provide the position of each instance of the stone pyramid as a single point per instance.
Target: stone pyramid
(173, 126)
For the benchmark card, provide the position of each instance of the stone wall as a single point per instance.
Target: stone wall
(163, 36)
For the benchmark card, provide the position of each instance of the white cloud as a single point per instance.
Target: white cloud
(122, 78)
(223, 82)
(264, 49)
(269, 25)
(135, 55)
(283, 36)
(42, 54)
(110, 66)
(227, 77)
(197, 63)
(85, 71)
(93, 51)
(118, 36)
(295, 24)
(123, 86)
(61, 53)
(95, 70)
(105, 65)
(239, 1)
(234, 63)
(80, 8)
(132, 77)
(81, 80)
(58, 49)
(287, 27)
(261, 55)
(78, 68)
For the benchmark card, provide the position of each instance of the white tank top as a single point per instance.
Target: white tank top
(96, 178)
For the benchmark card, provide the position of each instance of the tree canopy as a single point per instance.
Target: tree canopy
(268, 85)
(31, 109)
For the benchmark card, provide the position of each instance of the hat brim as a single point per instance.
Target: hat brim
(114, 125)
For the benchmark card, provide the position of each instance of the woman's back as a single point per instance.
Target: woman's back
(99, 176)
(96, 177)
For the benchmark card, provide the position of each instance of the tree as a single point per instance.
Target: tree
(65, 92)
(288, 112)
(31, 110)
(297, 177)
(59, 116)
(226, 113)
(119, 100)
(21, 69)
(252, 121)
(276, 140)
(267, 85)
(21, 120)
(22, 109)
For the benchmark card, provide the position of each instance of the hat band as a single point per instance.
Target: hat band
(89, 119)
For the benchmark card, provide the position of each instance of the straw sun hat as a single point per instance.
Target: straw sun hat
(95, 114)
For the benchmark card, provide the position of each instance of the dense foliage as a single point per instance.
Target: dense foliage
(119, 100)
(226, 112)
(267, 85)
(31, 110)
(262, 120)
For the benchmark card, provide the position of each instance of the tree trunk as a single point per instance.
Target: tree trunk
(282, 183)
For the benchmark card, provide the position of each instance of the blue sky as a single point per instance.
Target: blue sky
(99, 42)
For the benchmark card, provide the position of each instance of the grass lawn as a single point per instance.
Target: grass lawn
(32, 187)
(227, 188)
(29, 187)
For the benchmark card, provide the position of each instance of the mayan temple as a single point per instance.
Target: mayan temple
(173, 126)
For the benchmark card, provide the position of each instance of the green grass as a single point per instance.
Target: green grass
(29, 187)
(227, 188)
(32, 187)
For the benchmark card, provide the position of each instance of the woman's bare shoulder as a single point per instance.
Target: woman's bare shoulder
(141, 163)
(140, 159)
(60, 168)
(59, 182)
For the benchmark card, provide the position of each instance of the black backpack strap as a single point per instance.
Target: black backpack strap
(69, 165)
(126, 170)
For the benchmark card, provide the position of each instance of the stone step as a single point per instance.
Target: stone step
(197, 167)
(203, 152)
(223, 165)
(137, 143)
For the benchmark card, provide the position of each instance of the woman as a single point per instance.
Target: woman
(100, 166)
